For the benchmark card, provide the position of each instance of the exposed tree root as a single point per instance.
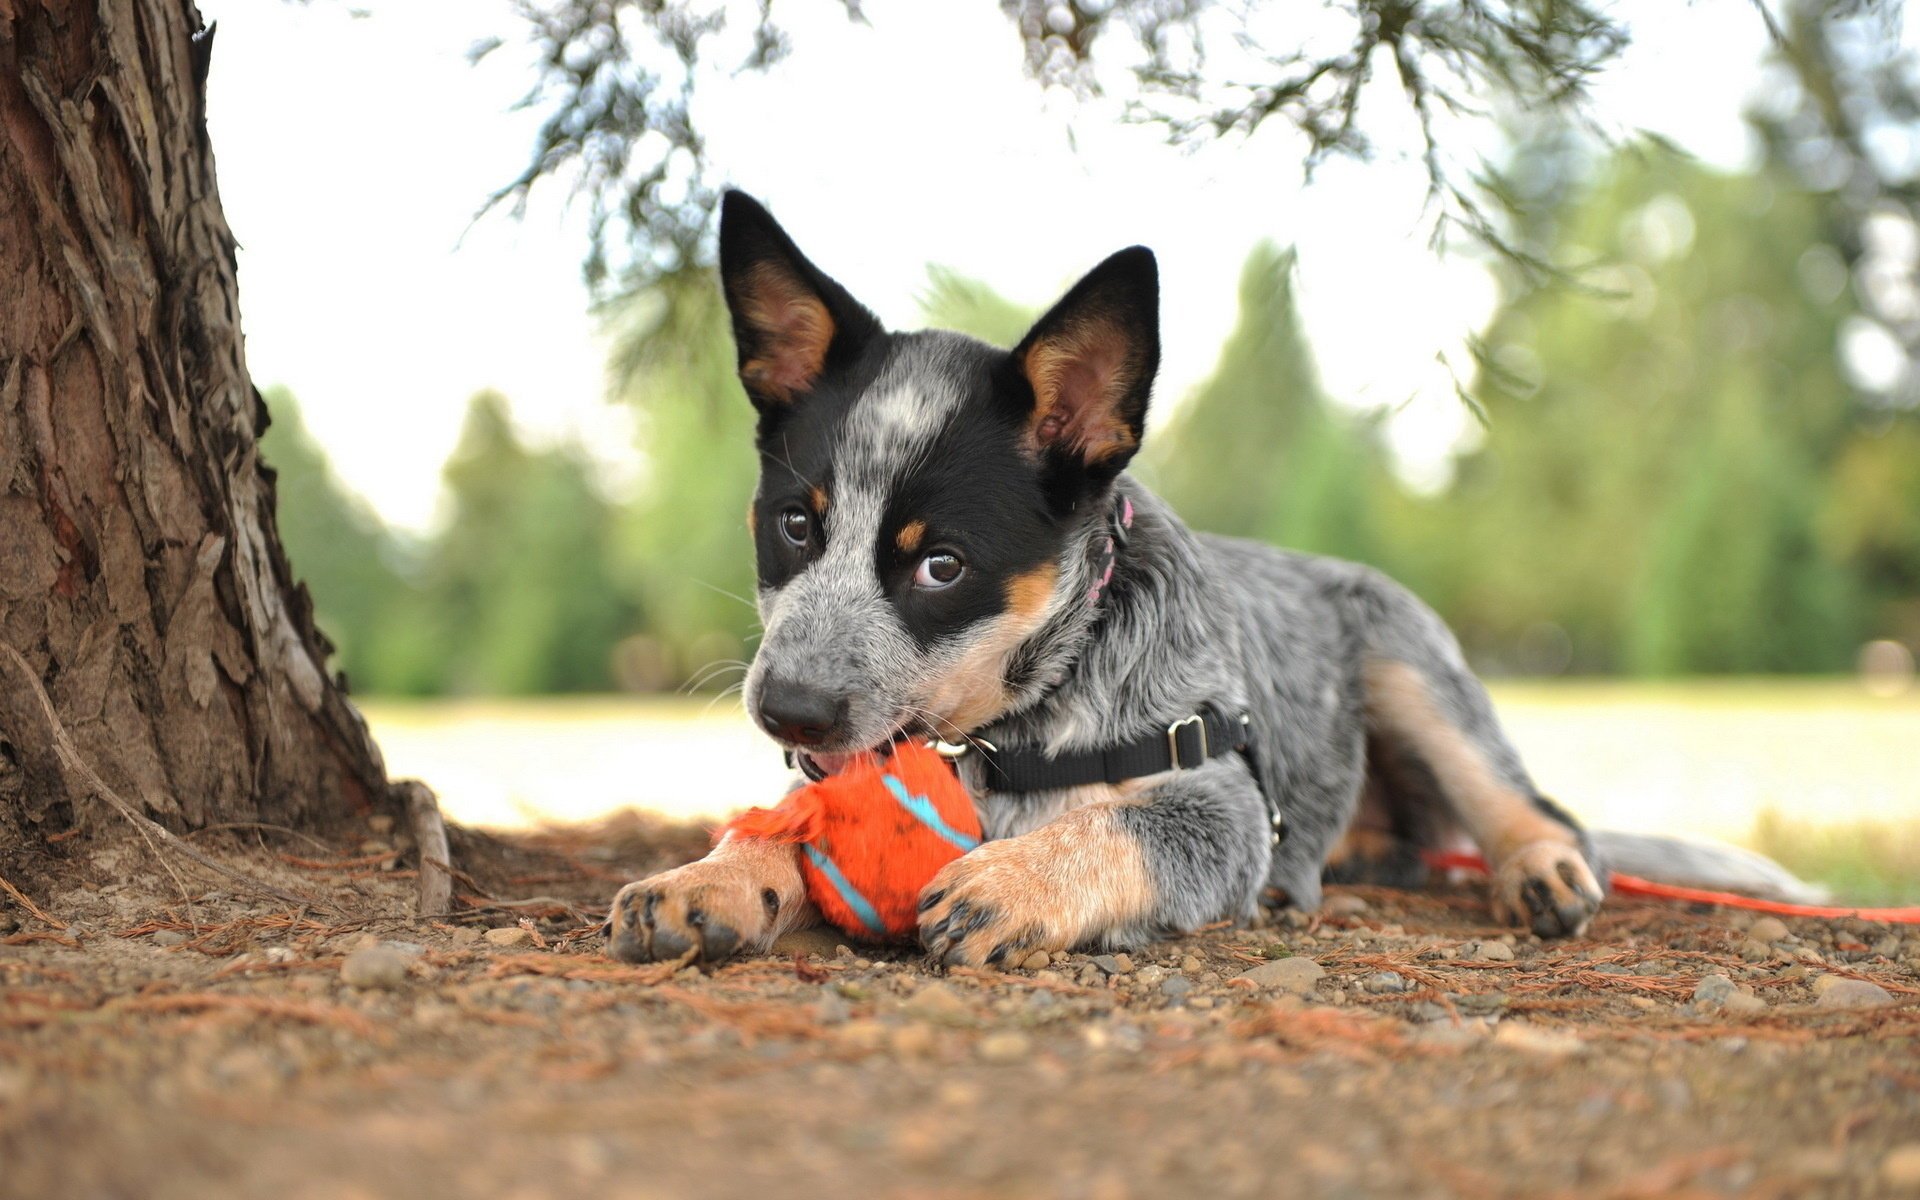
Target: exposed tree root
(50, 755)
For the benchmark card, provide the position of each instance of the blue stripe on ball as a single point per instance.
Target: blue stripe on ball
(848, 893)
(922, 809)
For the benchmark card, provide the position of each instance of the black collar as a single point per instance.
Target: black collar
(1181, 746)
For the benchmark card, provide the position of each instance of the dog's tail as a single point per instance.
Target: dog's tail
(1708, 866)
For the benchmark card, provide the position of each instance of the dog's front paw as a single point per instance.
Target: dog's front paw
(710, 908)
(1547, 887)
(990, 907)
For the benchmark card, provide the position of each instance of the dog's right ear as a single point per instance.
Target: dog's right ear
(790, 321)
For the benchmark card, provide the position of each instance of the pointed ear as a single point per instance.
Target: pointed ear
(1091, 362)
(790, 322)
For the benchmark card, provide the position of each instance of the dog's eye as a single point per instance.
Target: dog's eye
(938, 570)
(796, 526)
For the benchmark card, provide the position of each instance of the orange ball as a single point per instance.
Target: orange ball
(873, 836)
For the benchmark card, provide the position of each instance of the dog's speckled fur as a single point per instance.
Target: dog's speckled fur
(885, 447)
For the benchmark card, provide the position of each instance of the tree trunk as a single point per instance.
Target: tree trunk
(150, 627)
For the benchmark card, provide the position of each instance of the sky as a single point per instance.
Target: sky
(356, 144)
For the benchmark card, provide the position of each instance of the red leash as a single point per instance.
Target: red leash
(1633, 885)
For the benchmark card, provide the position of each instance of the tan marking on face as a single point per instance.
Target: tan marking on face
(973, 691)
(753, 518)
(1068, 883)
(1500, 819)
(794, 330)
(1028, 594)
(908, 539)
(1079, 377)
(819, 497)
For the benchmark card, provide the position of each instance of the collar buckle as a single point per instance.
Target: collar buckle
(1174, 758)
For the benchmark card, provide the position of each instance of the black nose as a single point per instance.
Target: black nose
(799, 713)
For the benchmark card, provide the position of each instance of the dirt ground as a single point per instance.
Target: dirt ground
(1394, 1044)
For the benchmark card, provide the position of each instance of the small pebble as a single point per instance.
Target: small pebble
(375, 967)
(1297, 975)
(1036, 961)
(508, 935)
(1816, 1163)
(830, 1009)
(168, 937)
(1901, 1167)
(1150, 974)
(1007, 1046)
(909, 1041)
(1834, 991)
(1769, 930)
(1491, 951)
(1530, 1039)
(1190, 964)
(938, 1002)
(1714, 989)
(1384, 982)
(1344, 906)
(1176, 987)
(1109, 964)
(466, 935)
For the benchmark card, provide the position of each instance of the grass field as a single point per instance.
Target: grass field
(1819, 774)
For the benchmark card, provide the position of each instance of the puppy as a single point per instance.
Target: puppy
(1161, 728)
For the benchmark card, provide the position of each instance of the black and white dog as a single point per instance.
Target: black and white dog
(1160, 728)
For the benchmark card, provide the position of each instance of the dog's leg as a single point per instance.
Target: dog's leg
(1187, 851)
(740, 897)
(1542, 874)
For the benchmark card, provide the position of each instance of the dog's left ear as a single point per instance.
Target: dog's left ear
(1091, 362)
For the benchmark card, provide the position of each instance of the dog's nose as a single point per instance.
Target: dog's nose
(799, 713)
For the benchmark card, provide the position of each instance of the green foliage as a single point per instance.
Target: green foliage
(1258, 451)
(514, 596)
(522, 596)
(351, 563)
(1659, 460)
(953, 301)
(683, 546)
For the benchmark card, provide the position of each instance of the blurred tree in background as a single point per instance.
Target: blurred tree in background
(1259, 450)
(356, 569)
(513, 595)
(683, 547)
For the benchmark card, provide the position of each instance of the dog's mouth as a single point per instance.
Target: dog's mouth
(821, 764)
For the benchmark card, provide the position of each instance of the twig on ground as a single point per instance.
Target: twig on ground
(430, 839)
(29, 905)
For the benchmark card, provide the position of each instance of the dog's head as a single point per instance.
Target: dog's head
(925, 499)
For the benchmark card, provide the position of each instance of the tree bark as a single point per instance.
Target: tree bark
(142, 580)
